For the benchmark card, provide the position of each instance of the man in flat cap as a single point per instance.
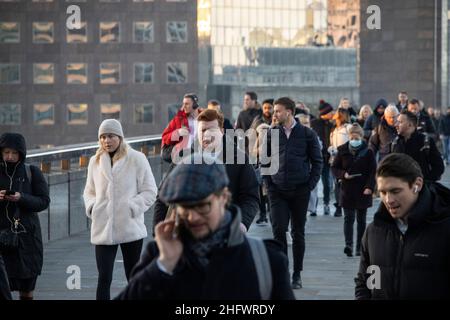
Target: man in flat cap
(200, 251)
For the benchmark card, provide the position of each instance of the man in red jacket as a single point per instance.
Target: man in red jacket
(182, 128)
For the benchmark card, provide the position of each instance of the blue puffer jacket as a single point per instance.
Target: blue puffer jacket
(300, 158)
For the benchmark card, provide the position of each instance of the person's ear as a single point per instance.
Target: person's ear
(418, 185)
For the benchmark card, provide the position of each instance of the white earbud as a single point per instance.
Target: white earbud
(416, 188)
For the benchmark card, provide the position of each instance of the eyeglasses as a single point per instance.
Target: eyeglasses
(202, 209)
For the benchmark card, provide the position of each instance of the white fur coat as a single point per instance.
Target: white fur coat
(117, 197)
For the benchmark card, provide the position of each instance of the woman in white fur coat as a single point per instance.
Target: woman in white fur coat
(120, 187)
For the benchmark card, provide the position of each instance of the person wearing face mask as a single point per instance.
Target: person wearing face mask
(120, 188)
(23, 193)
(405, 251)
(354, 166)
(243, 184)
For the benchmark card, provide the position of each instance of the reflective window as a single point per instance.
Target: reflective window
(177, 72)
(77, 35)
(77, 73)
(143, 32)
(9, 73)
(110, 73)
(43, 73)
(143, 113)
(77, 113)
(176, 32)
(10, 114)
(172, 110)
(109, 32)
(143, 72)
(110, 111)
(9, 32)
(44, 114)
(43, 32)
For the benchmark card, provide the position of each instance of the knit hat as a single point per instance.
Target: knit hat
(324, 108)
(110, 126)
(194, 179)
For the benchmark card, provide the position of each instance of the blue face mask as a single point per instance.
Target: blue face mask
(355, 143)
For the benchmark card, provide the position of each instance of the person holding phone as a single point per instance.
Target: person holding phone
(199, 252)
(23, 193)
(355, 165)
(120, 187)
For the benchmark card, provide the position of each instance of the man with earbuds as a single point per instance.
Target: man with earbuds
(180, 132)
(406, 249)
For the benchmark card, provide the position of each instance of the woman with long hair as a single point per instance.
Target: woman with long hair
(120, 187)
(338, 137)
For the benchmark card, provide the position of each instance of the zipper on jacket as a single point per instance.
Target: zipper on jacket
(398, 265)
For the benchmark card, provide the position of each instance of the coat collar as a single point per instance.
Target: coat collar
(418, 213)
(105, 165)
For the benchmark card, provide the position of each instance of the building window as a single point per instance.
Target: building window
(143, 32)
(43, 32)
(172, 110)
(110, 111)
(43, 73)
(109, 73)
(109, 32)
(143, 113)
(77, 73)
(143, 72)
(177, 72)
(9, 73)
(44, 114)
(9, 32)
(176, 32)
(10, 114)
(77, 35)
(77, 113)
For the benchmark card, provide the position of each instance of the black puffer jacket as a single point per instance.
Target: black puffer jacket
(415, 265)
(27, 261)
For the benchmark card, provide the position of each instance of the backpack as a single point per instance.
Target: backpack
(28, 171)
(262, 265)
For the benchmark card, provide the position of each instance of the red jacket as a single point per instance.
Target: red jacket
(175, 124)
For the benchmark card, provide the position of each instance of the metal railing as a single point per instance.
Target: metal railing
(65, 169)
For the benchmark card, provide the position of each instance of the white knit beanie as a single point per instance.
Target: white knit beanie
(110, 126)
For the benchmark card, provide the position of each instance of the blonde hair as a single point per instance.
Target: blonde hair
(364, 108)
(121, 151)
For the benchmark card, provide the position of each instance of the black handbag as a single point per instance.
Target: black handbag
(9, 240)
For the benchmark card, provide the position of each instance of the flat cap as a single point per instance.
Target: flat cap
(193, 179)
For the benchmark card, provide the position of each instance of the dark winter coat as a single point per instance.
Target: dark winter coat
(428, 157)
(300, 158)
(5, 293)
(381, 138)
(27, 261)
(351, 190)
(374, 119)
(425, 124)
(445, 125)
(229, 275)
(415, 265)
(323, 130)
(246, 117)
(244, 188)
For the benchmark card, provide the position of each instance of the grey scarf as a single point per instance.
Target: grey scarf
(218, 239)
